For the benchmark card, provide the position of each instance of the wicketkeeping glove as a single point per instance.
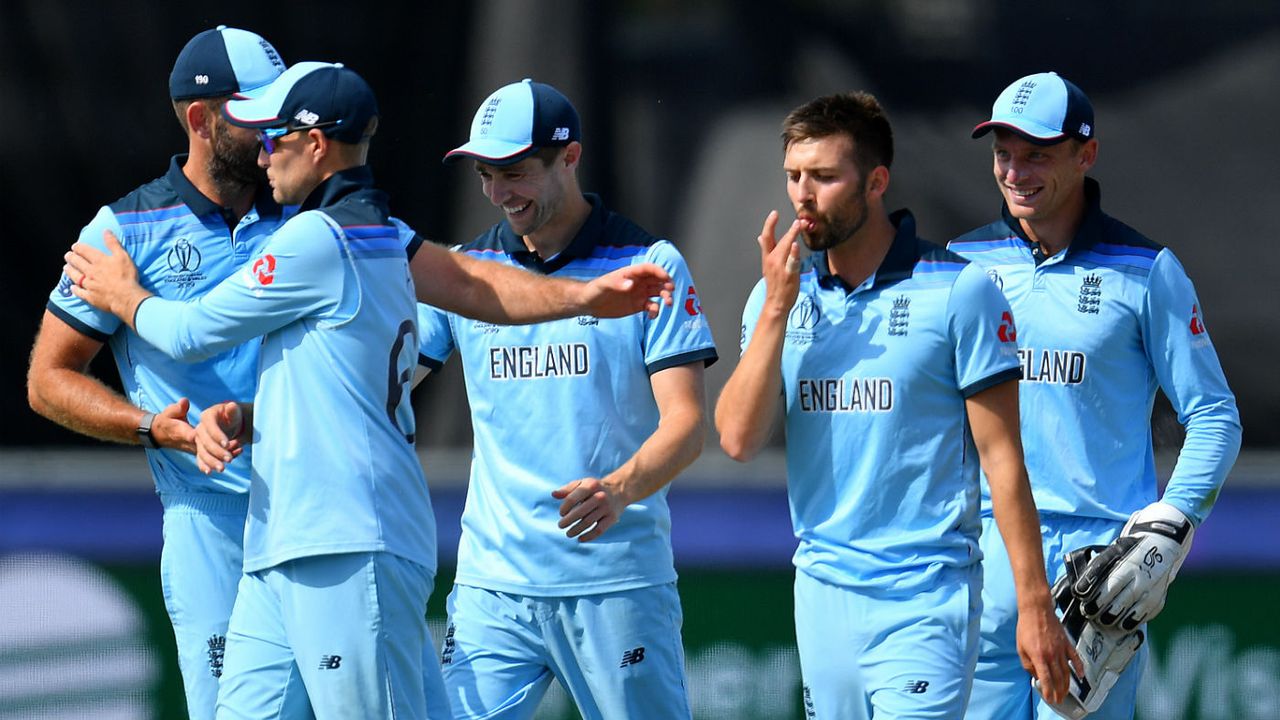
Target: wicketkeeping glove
(1106, 652)
(1125, 584)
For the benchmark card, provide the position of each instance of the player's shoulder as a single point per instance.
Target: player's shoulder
(1119, 247)
(937, 262)
(987, 243)
(153, 201)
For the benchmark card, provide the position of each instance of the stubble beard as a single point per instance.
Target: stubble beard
(233, 168)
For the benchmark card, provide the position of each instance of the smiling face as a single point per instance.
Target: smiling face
(826, 189)
(1039, 181)
(530, 193)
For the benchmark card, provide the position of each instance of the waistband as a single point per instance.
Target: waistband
(227, 503)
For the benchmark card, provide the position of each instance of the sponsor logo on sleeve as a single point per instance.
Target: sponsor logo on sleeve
(264, 269)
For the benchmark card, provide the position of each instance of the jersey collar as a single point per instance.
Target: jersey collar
(588, 237)
(201, 205)
(338, 186)
(1091, 227)
(897, 265)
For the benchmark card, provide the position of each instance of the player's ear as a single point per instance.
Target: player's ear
(1088, 154)
(572, 154)
(878, 181)
(199, 119)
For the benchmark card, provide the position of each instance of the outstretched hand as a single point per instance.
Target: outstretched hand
(631, 289)
(106, 280)
(217, 437)
(170, 428)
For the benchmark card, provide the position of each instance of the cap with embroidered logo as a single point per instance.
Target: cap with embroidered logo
(224, 61)
(326, 95)
(1044, 108)
(516, 121)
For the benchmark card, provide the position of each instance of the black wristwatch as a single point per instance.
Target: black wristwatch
(144, 432)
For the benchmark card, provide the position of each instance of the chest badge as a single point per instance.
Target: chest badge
(900, 316)
(1090, 294)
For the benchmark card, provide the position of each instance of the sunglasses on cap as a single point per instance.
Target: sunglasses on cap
(269, 136)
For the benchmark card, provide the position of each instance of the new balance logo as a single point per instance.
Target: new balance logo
(330, 662)
(306, 117)
(560, 134)
(633, 657)
(916, 687)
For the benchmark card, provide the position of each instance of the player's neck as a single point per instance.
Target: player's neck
(855, 259)
(561, 229)
(1054, 233)
(236, 199)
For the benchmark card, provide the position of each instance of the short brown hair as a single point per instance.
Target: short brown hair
(180, 108)
(856, 114)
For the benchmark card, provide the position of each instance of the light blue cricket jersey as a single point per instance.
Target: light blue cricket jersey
(563, 400)
(1100, 327)
(183, 246)
(334, 467)
(882, 472)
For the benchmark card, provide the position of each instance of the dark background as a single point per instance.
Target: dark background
(1185, 93)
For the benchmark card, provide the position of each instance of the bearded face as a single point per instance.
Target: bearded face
(833, 225)
(233, 165)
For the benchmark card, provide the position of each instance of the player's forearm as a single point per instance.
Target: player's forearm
(84, 404)
(1210, 449)
(1019, 523)
(670, 449)
(748, 403)
(491, 292)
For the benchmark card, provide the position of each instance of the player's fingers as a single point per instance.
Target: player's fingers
(576, 513)
(592, 519)
(87, 253)
(1053, 679)
(109, 238)
(767, 234)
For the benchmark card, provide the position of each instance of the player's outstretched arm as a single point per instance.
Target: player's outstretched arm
(590, 506)
(60, 388)
(221, 435)
(1042, 643)
(749, 401)
(501, 294)
(105, 280)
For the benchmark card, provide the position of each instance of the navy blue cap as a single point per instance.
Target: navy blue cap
(224, 62)
(311, 93)
(516, 121)
(1044, 108)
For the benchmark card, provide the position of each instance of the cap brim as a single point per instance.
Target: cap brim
(1037, 136)
(254, 112)
(491, 152)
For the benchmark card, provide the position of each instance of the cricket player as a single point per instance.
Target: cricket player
(565, 565)
(187, 231)
(1105, 316)
(896, 367)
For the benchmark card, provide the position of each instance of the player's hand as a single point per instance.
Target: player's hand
(217, 437)
(105, 280)
(780, 264)
(1045, 651)
(171, 429)
(631, 289)
(588, 508)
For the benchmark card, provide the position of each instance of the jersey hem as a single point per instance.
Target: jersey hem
(563, 590)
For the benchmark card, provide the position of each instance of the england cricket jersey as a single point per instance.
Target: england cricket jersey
(334, 467)
(559, 401)
(183, 245)
(1101, 325)
(882, 472)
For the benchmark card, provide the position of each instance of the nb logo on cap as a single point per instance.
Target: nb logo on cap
(560, 134)
(202, 79)
(1085, 130)
(306, 117)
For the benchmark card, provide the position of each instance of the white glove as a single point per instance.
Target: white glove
(1106, 652)
(1125, 585)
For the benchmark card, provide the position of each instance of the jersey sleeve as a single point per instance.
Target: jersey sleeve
(300, 272)
(1186, 364)
(435, 336)
(982, 332)
(85, 318)
(679, 335)
(751, 315)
